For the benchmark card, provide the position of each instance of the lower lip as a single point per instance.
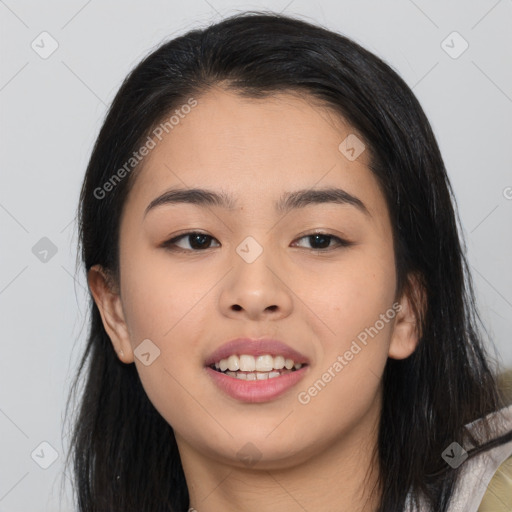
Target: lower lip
(256, 390)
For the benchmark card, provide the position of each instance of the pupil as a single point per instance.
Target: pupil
(200, 237)
(325, 238)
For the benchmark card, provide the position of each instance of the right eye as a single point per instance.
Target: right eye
(196, 241)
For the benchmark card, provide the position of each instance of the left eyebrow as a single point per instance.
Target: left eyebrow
(307, 197)
(288, 201)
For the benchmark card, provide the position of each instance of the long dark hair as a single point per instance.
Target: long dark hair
(124, 454)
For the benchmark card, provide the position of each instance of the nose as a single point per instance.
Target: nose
(256, 290)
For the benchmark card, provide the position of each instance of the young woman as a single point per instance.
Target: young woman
(282, 315)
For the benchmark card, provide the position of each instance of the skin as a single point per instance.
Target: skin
(314, 456)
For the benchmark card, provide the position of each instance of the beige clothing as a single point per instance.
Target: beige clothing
(474, 491)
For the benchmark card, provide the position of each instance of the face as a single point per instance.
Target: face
(310, 280)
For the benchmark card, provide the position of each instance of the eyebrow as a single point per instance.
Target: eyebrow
(288, 201)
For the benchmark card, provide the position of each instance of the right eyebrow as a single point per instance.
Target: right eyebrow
(197, 196)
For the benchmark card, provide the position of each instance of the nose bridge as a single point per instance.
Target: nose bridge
(254, 287)
(252, 266)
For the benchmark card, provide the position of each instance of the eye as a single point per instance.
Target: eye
(322, 241)
(192, 241)
(195, 241)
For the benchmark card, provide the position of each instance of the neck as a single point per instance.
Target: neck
(340, 477)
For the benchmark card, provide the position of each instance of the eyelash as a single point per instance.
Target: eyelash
(171, 244)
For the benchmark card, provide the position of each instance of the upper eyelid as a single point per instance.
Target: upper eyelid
(174, 239)
(342, 241)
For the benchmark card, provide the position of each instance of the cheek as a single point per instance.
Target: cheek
(160, 307)
(346, 382)
(354, 293)
(158, 296)
(168, 305)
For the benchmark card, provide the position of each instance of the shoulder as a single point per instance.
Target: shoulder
(485, 482)
(498, 496)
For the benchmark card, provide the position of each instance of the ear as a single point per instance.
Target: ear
(407, 326)
(107, 298)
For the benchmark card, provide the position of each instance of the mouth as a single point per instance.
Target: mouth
(256, 370)
(251, 368)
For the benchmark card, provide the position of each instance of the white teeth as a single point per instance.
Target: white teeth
(253, 375)
(264, 363)
(248, 363)
(278, 363)
(233, 363)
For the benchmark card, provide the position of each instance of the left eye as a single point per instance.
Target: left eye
(321, 241)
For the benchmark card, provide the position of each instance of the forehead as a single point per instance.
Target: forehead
(255, 148)
(281, 127)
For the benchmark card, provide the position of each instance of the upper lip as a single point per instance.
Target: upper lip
(255, 347)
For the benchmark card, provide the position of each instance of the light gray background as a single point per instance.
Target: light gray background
(52, 110)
